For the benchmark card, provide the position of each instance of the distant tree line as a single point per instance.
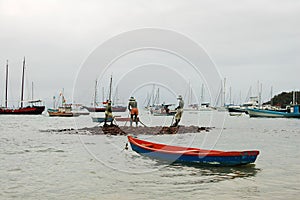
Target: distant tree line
(284, 99)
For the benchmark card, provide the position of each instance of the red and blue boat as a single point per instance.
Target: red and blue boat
(192, 155)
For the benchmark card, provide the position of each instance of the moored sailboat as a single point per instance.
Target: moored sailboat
(97, 108)
(34, 107)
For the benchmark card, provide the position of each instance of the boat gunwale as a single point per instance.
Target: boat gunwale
(189, 151)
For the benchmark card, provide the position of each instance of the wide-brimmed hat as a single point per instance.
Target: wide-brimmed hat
(179, 97)
(132, 99)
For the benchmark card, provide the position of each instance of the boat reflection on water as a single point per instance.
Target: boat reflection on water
(207, 174)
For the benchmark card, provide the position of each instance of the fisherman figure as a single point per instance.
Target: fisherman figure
(132, 107)
(108, 113)
(179, 111)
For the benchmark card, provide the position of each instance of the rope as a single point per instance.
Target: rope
(142, 122)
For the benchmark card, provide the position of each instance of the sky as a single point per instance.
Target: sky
(250, 43)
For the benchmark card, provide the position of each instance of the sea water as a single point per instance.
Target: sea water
(37, 162)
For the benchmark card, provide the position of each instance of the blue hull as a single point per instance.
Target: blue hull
(271, 113)
(205, 160)
(101, 119)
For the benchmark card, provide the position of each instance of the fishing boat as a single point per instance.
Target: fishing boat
(35, 107)
(293, 112)
(192, 155)
(64, 110)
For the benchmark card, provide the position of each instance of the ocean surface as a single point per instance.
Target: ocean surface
(37, 162)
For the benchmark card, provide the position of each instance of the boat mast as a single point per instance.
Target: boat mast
(22, 90)
(62, 97)
(32, 90)
(229, 95)
(153, 94)
(271, 96)
(103, 99)
(259, 95)
(293, 97)
(110, 88)
(224, 91)
(95, 94)
(157, 99)
(202, 94)
(6, 84)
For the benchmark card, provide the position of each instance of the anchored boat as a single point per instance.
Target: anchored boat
(192, 155)
(34, 108)
(292, 113)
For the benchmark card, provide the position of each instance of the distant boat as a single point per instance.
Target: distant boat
(236, 109)
(162, 110)
(32, 109)
(102, 109)
(256, 112)
(221, 98)
(65, 110)
(203, 106)
(192, 155)
(235, 114)
(78, 110)
(95, 106)
(101, 119)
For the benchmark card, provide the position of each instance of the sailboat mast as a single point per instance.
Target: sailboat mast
(230, 95)
(110, 88)
(271, 95)
(202, 94)
(103, 94)
(31, 90)
(157, 96)
(62, 97)
(6, 84)
(22, 89)
(294, 97)
(224, 92)
(95, 94)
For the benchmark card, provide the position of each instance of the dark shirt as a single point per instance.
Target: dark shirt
(132, 104)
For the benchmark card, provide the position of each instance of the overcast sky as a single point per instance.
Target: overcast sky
(249, 41)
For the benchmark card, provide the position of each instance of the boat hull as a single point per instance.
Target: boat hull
(192, 155)
(101, 119)
(62, 114)
(102, 109)
(164, 114)
(236, 110)
(31, 110)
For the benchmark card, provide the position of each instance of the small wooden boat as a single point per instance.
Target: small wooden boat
(192, 155)
(62, 114)
(63, 111)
